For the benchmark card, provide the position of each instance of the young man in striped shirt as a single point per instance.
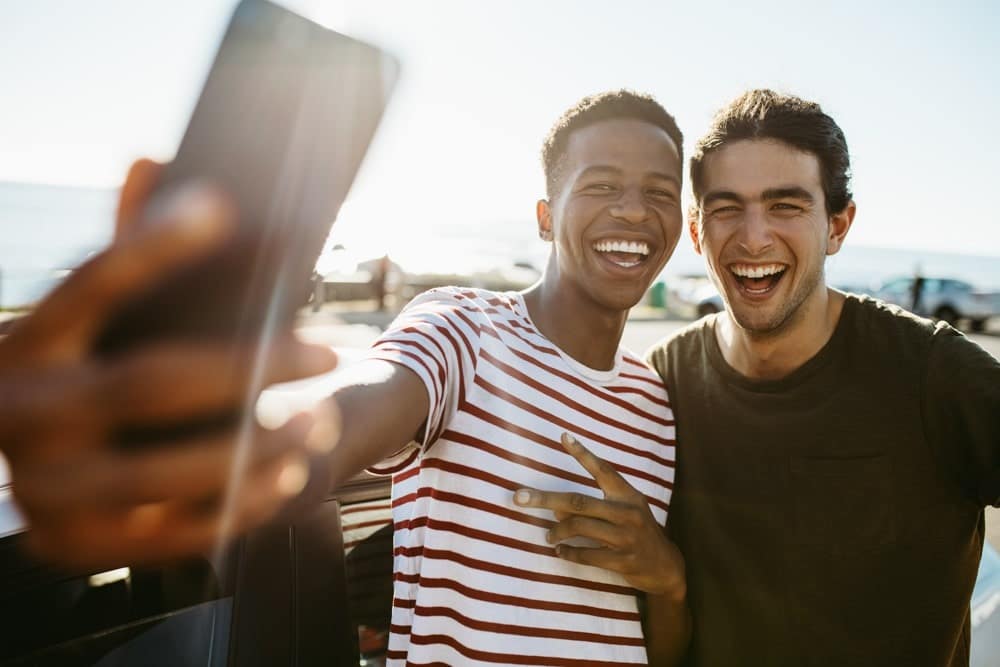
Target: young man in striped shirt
(485, 387)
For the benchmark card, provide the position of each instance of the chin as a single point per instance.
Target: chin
(619, 301)
(759, 322)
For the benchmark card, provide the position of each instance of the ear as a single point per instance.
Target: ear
(135, 193)
(840, 224)
(694, 225)
(543, 214)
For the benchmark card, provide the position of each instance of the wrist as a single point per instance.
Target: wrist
(673, 591)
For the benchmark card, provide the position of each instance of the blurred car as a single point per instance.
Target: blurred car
(710, 302)
(943, 299)
(689, 295)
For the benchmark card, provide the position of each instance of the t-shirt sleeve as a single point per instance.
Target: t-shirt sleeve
(962, 412)
(437, 338)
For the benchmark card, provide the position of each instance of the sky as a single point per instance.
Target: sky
(88, 87)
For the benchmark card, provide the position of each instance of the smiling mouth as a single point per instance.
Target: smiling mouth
(758, 279)
(625, 254)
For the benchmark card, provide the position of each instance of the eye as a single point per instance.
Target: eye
(660, 193)
(786, 207)
(724, 211)
(599, 187)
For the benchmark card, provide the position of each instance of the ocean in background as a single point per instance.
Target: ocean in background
(47, 230)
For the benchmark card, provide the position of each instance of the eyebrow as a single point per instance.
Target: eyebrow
(590, 171)
(787, 192)
(770, 194)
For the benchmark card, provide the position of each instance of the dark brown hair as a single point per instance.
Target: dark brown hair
(765, 114)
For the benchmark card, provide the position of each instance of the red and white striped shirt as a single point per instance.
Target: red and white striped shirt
(475, 581)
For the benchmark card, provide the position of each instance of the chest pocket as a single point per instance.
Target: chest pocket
(843, 507)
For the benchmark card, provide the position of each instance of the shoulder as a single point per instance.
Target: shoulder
(897, 338)
(458, 311)
(477, 302)
(683, 342)
(635, 365)
(883, 325)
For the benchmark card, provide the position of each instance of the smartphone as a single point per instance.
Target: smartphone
(283, 122)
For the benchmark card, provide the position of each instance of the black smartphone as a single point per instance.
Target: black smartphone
(282, 124)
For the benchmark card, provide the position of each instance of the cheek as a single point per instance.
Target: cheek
(712, 238)
(673, 225)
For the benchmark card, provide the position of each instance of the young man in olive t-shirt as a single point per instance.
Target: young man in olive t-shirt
(835, 454)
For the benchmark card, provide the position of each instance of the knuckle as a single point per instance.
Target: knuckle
(578, 501)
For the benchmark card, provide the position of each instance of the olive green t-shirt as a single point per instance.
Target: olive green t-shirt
(835, 516)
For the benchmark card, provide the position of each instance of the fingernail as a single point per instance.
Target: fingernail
(325, 431)
(293, 477)
(568, 441)
(197, 211)
(522, 497)
(548, 536)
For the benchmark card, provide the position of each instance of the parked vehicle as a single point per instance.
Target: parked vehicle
(688, 295)
(944, 299)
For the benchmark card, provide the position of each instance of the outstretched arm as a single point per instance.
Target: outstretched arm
(635, 546)
(377, 409)
(92, 504)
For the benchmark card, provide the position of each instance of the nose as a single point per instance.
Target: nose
(755, 231)
(630, 207)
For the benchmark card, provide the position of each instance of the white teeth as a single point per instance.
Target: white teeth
(756, 271)
(636, 247)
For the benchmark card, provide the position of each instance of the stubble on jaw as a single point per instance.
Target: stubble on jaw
(792, 310)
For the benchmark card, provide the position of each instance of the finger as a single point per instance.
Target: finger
(64, 324)
(573, 504)
(200, 468)
(142, 387)
(136, 191)
(43, 409)
(606, 559)
(159, 532)
(595, 529)
(610, 481)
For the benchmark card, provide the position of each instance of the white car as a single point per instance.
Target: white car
(944, 299)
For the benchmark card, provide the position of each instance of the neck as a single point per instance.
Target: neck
(775, 354)
(581, 328)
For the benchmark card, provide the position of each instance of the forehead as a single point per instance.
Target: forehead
(626, 144)
(750, 166)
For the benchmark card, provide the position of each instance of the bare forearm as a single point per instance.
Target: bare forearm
(667, 628)
(380, 407)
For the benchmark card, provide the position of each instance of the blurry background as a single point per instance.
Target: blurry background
(451, 181)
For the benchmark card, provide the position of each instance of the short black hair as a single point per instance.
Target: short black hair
(610, 105)
(765, 114)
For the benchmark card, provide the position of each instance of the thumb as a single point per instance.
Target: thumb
(194, 220)
(136, 191)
